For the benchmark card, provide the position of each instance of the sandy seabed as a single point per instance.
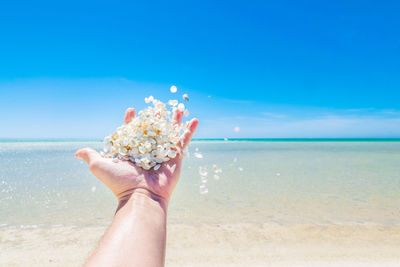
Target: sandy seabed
(352, 244)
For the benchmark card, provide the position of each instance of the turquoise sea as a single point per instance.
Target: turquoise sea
(291, 181)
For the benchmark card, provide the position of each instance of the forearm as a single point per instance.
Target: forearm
(137, 235)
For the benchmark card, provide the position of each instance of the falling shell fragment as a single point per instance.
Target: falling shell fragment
(203, 189)
(173, 89)
(203, 171)
(216, 169)
(172, 102)
(181, 107)
(198, 155)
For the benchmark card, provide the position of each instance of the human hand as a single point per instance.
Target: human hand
(124, 177)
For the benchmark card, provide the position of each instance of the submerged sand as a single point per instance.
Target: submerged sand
(352, 244)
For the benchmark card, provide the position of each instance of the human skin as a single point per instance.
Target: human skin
(137, 235)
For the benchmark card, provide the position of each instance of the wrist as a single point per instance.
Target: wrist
(142, 196)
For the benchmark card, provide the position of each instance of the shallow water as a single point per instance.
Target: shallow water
(42, 184)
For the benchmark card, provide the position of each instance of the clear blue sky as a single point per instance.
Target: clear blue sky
(273, 68)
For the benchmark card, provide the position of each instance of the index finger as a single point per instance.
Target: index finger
(188, 134)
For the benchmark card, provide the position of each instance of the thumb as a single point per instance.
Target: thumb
(87, 154)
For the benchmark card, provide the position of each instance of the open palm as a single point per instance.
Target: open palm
(123, 177)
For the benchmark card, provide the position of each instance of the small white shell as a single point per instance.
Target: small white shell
(142, 149)
(122, 151)
(147, 146)
(172, 154)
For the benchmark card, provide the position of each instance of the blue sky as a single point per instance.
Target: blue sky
(273, 68)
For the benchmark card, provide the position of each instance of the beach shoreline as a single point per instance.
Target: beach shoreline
(243, 244)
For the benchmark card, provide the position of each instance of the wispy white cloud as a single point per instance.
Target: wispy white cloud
(357, 110)
(233, 101)
(310, 127)
(274, 115)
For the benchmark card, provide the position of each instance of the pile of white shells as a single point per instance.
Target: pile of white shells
(151, 138)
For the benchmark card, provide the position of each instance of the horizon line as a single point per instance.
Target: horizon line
(273, 139)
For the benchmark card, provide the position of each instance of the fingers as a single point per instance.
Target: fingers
(87, 154)
(177, 116)
(99, 166)
(188, 134)
(129, 115)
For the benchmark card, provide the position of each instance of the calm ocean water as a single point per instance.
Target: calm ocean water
(42, 184)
